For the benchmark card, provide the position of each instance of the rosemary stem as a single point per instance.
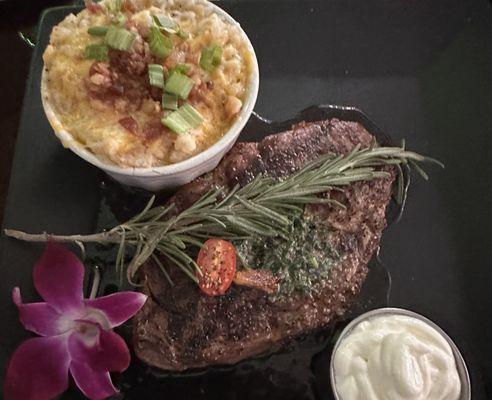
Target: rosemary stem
(102, 237)
(265, 207)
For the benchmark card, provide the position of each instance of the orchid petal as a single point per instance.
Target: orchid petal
(118, 307)
(39, 318)
(108, 353)
(58, 277)
(38, 369)
(96, 385)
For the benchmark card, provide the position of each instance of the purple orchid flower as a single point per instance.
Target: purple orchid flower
(76, 333)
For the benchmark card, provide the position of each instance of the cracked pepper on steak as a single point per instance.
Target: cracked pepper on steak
(180, 328)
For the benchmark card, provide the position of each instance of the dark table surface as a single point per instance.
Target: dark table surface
(15, 16)
(421, 71)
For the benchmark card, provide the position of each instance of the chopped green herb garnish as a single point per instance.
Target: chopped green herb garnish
(156, 75)
(97, 30)
(120, 19)
(170, 26)
(211, 57)
(191, 115)
(183, 34)
(176, 123)
(115, 6)
(165, 23)
(182, 67)
(160, 46)
(179, 84)
(169, 101)
(119, 38)
(183, 120)
(302, 259)
(99, 52)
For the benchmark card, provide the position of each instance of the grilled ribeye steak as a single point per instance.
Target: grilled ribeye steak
(181, 328)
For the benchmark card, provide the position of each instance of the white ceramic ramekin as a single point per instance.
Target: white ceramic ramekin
(172, 175)
(460, 362)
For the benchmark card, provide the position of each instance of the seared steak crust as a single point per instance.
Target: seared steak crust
(180, 328)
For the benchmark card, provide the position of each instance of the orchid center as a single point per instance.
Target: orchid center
(97, 316)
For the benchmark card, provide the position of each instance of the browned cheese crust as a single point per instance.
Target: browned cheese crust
(180, 328)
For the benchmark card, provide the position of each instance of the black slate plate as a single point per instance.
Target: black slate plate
(421, 70)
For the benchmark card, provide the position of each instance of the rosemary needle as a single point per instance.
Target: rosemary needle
(265, 207)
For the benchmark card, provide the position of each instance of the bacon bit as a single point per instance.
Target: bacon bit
(257, 278)
(131, 25)
(155, 93)
(128, 6)
(174, 58)
(183, 46)
(135, 94)
(200, 94)
(140, 29)
(115, 88)
(153, 130)
(132, 62)
(130, 125)
(123, 82)
(121, 104)
(102, 78)
(193, 57)
(103, 81)
(99, 67)
(94, 8)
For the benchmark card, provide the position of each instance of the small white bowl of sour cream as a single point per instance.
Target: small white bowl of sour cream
(398, 354)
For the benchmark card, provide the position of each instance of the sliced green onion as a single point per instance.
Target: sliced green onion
(191, 115)
(211, 57)
(115, 6)
(183, 120)
(179, 84)
(119, 38)
(99, 52)
(170, 26)
(156, 75)
(169, 101)
(166, 74)
(165, 23)
(176, 123)
(183, 34)
(97, 30)
(160, 45)
(182, 67)
(120, 19)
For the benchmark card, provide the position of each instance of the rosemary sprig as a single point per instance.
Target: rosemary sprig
(265, 206)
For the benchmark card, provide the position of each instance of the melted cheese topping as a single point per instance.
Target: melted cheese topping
(97, 126)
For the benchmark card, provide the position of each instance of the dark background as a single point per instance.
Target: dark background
(15, 15)
(420, 70)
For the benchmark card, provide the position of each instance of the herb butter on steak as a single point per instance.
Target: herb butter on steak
(180, 328)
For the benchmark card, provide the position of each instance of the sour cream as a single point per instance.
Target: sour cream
(395, 357)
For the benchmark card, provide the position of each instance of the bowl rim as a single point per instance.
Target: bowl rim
(465, 393)
(172, 169)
